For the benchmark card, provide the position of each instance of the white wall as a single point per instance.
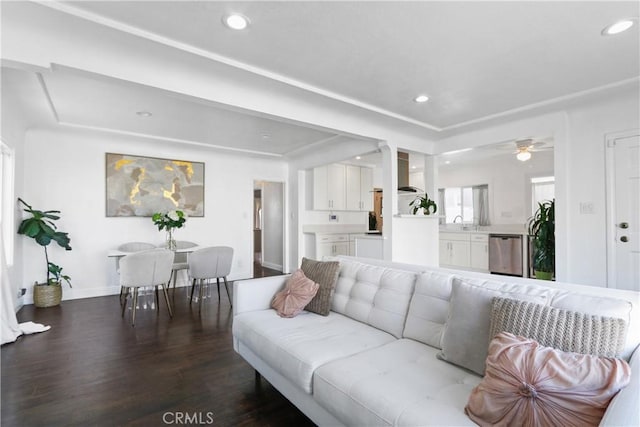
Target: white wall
(66, 171)
(508, 180)
(579, 134)
(585, 174)
(12, 132)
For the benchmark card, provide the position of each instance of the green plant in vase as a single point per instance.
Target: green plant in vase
(542, 231)
(40, 226)
(427, 205)
(168, 221)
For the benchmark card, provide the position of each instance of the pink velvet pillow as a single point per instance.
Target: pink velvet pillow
(531, 385)
(297, 293)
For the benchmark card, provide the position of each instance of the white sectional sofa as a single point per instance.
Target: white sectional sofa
(374, 359)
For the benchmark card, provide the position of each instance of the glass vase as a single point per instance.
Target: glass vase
(171, 242)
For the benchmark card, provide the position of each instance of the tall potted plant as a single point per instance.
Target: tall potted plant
(40, 226)
(542, 232)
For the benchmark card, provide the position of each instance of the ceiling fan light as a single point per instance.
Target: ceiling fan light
(236, 21)
(523, 156)
(618, 27)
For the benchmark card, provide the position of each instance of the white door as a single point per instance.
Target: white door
(624, 209)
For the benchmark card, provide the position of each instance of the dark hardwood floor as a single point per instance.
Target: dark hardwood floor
(94, 369)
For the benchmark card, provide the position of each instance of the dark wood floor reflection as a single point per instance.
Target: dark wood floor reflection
(93, 369)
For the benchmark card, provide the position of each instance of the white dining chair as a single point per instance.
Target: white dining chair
(145, 268)
(209, 263)
(131, 247)
(180, 260)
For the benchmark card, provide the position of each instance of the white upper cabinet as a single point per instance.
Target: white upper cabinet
(353, 188)
(342, 187)
(359, 188)
(329, 187)
(366, 189)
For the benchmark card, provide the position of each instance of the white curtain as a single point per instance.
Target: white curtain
(481, 204)
(10, 328)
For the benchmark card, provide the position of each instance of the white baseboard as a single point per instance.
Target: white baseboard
(80, 293)
(272, 266)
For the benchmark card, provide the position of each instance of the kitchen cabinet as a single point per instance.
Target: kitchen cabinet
(329, 187)
(455, 250)
(352, 242)
(359, 187)
(331, 245)
(479, 252)
(464, 250)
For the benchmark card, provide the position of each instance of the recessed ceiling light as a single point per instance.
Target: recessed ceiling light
(421, 98)
(413, 167)
(144, 113)
(447, 162)
(236, 21)
(266, 136)
(618, 27)
(358, 157)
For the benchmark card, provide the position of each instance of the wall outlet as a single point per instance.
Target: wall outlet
(333, 218)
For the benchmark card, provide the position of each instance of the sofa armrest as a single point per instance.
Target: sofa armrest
(256, 294)
(623, 409)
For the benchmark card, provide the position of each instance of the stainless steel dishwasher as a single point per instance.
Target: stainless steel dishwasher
(505, 254)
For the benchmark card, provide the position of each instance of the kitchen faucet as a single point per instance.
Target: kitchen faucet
(459, 216)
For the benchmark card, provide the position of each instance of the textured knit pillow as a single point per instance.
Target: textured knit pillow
(297, 293)
(561, 329)
(325, 273)
(527, 384)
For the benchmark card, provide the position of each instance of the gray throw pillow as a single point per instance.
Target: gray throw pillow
(465, 338)
(325, 273)
(564, 330)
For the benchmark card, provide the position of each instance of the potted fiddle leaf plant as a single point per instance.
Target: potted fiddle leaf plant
(427, 205)
(542, 232)
(41, 226)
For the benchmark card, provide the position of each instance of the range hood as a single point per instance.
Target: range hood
(409, 189)
(403, 175)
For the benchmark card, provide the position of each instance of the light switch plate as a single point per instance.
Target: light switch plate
(586, 208)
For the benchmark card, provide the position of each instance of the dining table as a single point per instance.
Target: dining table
(115, 253)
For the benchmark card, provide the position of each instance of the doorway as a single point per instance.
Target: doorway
(268, 228)
(623, 210)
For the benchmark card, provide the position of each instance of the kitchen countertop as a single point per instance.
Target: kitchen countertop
(334, 228)
(491, 229)
(376, 236)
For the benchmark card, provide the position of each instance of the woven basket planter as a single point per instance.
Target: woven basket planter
(47, 295)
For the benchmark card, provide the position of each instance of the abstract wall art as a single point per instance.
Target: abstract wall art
(141, 186)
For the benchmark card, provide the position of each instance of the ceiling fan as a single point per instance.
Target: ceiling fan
(524, 148)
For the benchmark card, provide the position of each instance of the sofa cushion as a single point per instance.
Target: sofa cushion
(297, 292)
(564, 330)
(296, 347)
(377, 296)
(465, 338)
(529, 384)
(603, 306)
(325, 273)
(429, 308)
(400, 383)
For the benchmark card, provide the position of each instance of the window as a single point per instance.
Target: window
(467, 205)
(542, 188)
(6, 200)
